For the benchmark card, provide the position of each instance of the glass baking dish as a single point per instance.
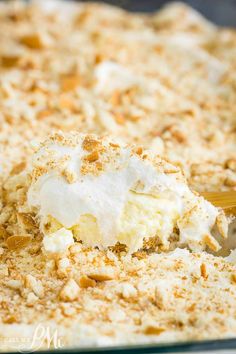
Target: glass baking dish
(221, 346)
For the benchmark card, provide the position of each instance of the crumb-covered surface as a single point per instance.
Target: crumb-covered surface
(164, 81)
(97, 298)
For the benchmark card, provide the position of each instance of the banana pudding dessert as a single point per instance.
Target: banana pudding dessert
(101, 193)
(100, 238)
(112, 125)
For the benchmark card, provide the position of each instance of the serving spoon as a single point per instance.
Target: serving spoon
(224, 200)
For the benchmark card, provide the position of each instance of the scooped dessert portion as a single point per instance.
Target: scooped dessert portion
(91, 189)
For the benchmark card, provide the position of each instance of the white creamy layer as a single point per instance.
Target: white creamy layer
(111, 76)
(59, 241)
(129, 201)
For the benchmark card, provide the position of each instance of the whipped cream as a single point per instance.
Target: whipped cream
(65, 10)
(105, 193)
(111, 76)
(58, 242)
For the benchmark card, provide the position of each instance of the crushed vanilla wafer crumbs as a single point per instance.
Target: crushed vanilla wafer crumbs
(163, 83)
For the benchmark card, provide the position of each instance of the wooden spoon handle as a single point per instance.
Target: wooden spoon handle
(224, 200)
